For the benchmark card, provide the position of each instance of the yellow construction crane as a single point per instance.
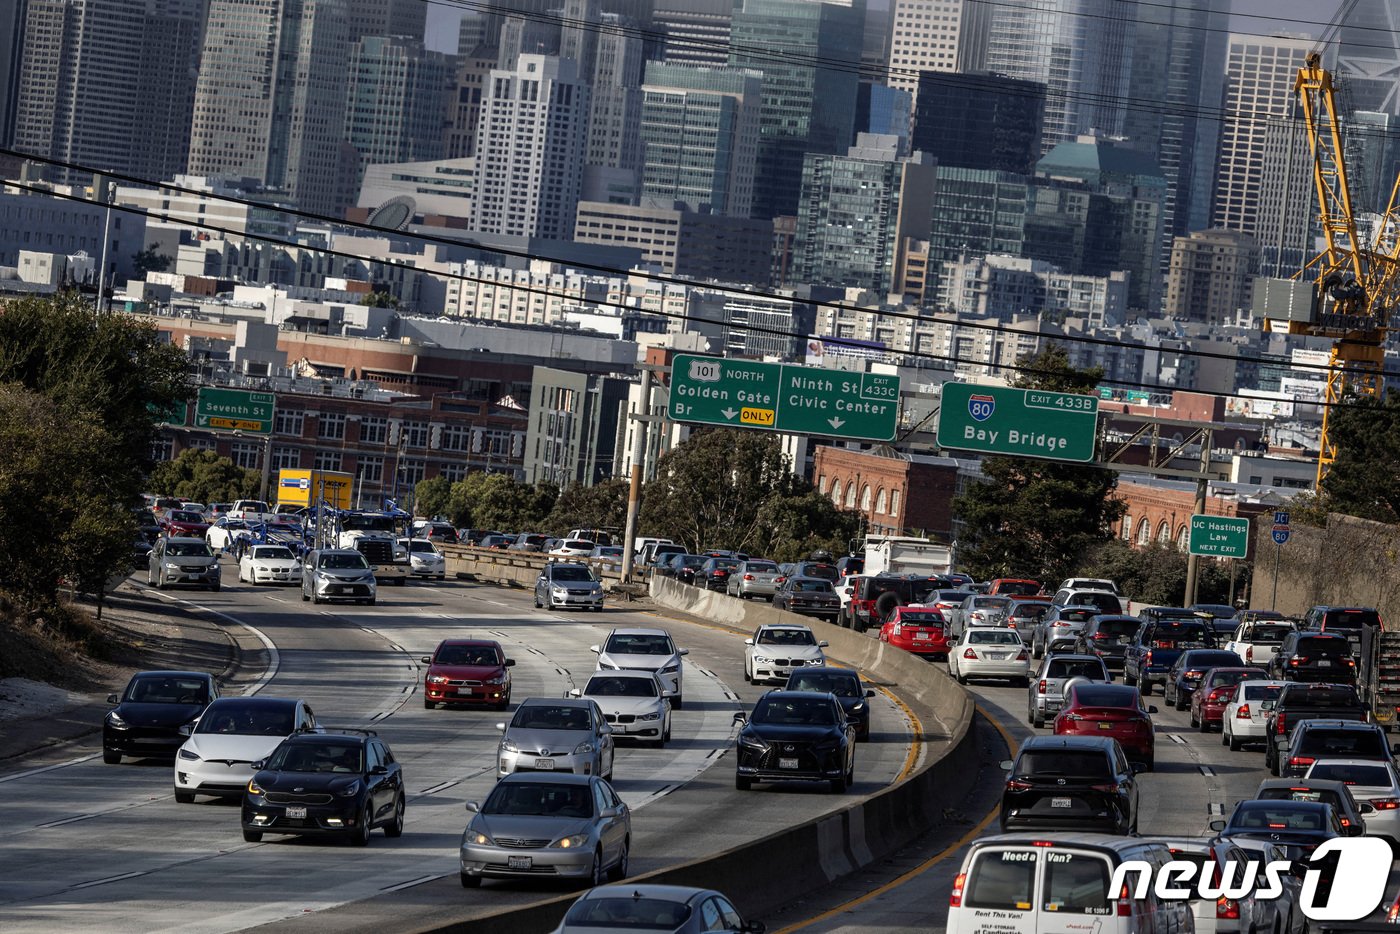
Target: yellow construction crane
(1357, 284)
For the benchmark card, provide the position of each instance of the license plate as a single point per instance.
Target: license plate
(544, 765)
(1061, 803)
(994, 656)
(519, 862)
(787, 763)
(294, 813)
(464, 690)
(335, 590)
(1105, 726)
(922, 636)
(1324, 663)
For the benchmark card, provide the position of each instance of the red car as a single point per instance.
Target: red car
(1114, 710)
(920, 630)
(184, 523)
(467, 671)
(1214, 692)
(1014, 587)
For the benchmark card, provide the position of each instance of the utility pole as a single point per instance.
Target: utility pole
(634, 489)
(266, 466)
(105, 191)
(1202, 486)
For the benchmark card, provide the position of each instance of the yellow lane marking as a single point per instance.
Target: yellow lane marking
(927, 864)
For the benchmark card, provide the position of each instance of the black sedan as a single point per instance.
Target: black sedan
(808, 596)
(1070, 783)
(714, 573)
(796, 736)
(1189, 668)
(681, 567)
(148, 715)
(1303, 824)
(344, 784)
(845, 685)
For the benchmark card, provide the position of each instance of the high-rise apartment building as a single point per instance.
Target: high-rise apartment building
(270, 103)
(936, 35)
(385, 18)
(1212, 276)
(808, 105)
(1081, 50)
(530, 148)
(697, 31)
(615, 99)
(396, 95)
(1259, 78)
(979, 121)
(700, 128)
(857, 210)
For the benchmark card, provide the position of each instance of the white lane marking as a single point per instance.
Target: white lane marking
(125, 875)
(1176, 739)
(440, 786)
(48, 768)
(1207, 771)
(274, 659)
(412, 882)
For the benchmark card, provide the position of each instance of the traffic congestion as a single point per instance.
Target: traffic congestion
(1106, 707)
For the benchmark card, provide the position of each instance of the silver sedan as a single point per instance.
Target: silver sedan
(547, 827)
(565, 735)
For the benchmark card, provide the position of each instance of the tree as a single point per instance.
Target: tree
(797, 524)
(1037, 518)
(1156, 574)
(380, 299)
(430, 498)
(1363, 481)
(148, 260)
(499, 501)
(601, 506)
(204, 476)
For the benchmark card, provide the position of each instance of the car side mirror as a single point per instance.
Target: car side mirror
(595, 649)
(823, 644)
(187, 728)
(604, 730)
(1137, 767)
(427, 659)
(500, 727)
(259, 765)
(683, 652)
(748, 642)
(741, 717)
(510, 663)
(1006, 765)
(111, 698)
(1217, 825)
(1151, 708)
(665, 693)
(574, 692)
(610, 812)
(869, 692)
(473, 807)
(379, 770)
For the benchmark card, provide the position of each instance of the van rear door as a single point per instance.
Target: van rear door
(1038, 888)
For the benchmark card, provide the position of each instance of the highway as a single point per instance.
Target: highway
(107, 847)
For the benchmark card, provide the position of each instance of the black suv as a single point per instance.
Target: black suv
(1108, 638)
(1314, 656)
(1070, 783)
(1330, 739)
(845, 685)
(796, 736)
(344, 784)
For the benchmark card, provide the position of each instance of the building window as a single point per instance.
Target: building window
(374, 430)
(415, 434)
(453, 472)
(456, 438)
(821, 484)
(1164, 533)
(836, 493)
(162, 449)
(851, 495)
(1127, 528)
(331, 426)
(865, 498)
(286, 458)
(327, 460)
(1183, 538)
(1144, 532)
(411, 472)
(880, 501)
(369, 469)
(202, 444)
(247, 454)
(288, 422)
(894, 502)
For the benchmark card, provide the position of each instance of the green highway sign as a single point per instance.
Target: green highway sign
(1018, 422)
(802, 400)
(235, 409)
(1218, 537)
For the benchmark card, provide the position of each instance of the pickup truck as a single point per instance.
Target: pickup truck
(1156, 647)
(1301, 701)
(251, 510)
(1257, 642)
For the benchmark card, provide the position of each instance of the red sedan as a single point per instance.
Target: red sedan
(467, 671)
(184, 523)
(1214, 692)
(1114, 710)
(920, 630)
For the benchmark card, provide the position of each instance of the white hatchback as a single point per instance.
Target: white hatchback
(1246, 716)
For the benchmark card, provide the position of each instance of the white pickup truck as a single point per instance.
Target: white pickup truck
(1257, 641)
(251, 510)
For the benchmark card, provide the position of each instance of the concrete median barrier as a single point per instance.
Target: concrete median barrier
(815, 853)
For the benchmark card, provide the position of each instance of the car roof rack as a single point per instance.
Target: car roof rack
(345, 729)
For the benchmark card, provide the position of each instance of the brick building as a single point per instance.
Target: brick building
(1160, 510)
(899, 494)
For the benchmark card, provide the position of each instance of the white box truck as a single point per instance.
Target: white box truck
(890, 554)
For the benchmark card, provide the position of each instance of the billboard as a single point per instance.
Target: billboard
(1260, 404)
(820, 350)
(1302, 390)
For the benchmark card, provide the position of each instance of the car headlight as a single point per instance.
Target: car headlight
(191, 756)
(115, 721)
(478, 838)
(860, 706)
(816, 661)
(762, 661)
(499, 679)
(171, 566)
(605, 666)
(671, 669)
(438, 679)
(350, 790)
(583, 748)
(508, 746)
(571, 842)
(752, 741)
(650, 716)
(559, 591)
(254, 788)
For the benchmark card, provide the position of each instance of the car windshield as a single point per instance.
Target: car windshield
(367, 523)
(1119, 627)
(1218, 610)
(687, 561)
(639, 643)
(1179, 637)
(552, 717)
(641, 914)
(613, 686)
(724, 564)
(1250, 816)
(1029, 610)
(317, 757)
(825, 571)
(184, 515)
(571, 574)
(812, 586)
(344, 562)
(609, 551)
(1350, 619)
(786, 637)
(1269, 635)
(993, 637)
(1351, 773)
(1230, 678)
(814, 711)
(539, 799)
(467, 655)
(1073, 668)
(167, 689)
(1106, 602)
(952, 596)
(1105, 695)
(1079, 615)
(246, 719)
(826, 683)
(188, 549)
(272, 553)
(1063, 763)
(1210, 659)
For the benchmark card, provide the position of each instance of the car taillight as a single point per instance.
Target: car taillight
(1101, 636)
(779, 580)
(1301, 761)
(1024, 656)
(1192, 674)
(1147, 659)
(748, 577)
(1393, 915)
(1280, 723)
(1111, 788)
(895, 629)
(1297, 660)
(1015, 784)
(1227, 908)
(1243, 712)
(1040, 689)
(955, 899)
(1249, 654)
(1071, 716)
(1219, 694)
(969, 653)
(1385, 804)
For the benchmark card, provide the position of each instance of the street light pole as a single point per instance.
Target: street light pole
(106, 192)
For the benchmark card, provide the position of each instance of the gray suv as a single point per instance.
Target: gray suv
(564, 584)
(182, 561)
(337, 574)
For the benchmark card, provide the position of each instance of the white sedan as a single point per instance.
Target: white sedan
(269, 564)
(1370, 782)
(634, 703)
(990, 653)
(225, 531)
(424, 559)
(777, 650)
(1245, 719)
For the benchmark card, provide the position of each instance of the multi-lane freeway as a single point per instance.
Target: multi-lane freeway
(106, 847)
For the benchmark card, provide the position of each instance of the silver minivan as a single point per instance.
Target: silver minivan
(1033, 883)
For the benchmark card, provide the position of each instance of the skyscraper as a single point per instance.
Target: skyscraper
(697, 31)
(172, 35)
(1368, 55)
(385, 18)
(979, 121)
(615, 101)
(395, 98)
(808, 107)
(936, 35)
(11, 52)
(1259, 78)
(700, 130)
(270, 102)
(530, 147)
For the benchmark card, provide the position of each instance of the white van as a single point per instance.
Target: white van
(641, 541)
(1034, 883)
